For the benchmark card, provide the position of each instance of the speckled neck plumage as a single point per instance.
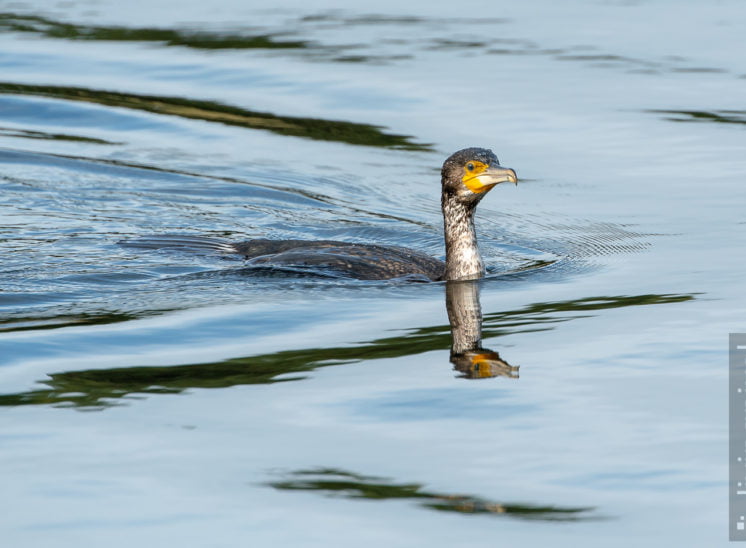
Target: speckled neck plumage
(463, 261)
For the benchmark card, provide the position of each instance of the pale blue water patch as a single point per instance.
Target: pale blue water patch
(429, 405)
(23, 110)
(262, 322)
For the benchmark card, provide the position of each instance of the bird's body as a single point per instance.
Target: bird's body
(466, 177)
(365, 261)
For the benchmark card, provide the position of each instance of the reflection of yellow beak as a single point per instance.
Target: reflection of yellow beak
(489, 364)
(481, 367)
(483, 181)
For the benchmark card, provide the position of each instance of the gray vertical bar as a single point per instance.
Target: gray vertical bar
(737, 437)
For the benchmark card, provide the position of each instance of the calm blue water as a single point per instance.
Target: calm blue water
(164, 397)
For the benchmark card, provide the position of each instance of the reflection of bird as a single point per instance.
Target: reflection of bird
(466, 177)
(465, 317)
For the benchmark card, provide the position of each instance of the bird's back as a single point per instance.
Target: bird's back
(362, 261)
(328, 257)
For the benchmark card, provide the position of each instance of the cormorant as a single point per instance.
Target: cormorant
(466, 177)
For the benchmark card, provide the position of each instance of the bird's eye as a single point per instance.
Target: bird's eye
(470, 166)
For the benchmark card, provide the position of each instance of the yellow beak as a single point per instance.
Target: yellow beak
(485, 180)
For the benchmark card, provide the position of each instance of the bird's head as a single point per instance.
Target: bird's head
(470, 173)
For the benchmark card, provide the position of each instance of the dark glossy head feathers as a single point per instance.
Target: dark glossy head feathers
(457, 160)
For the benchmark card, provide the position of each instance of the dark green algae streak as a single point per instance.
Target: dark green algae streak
(345, 484)
(45, 136)
(211, 111)
(97, 389)
(737, 117)
(35, 24)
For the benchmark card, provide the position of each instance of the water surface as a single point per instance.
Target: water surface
(187, 398)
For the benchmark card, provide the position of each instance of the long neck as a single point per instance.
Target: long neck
(463, 261)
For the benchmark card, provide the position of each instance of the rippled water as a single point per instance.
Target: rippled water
(183, 398)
